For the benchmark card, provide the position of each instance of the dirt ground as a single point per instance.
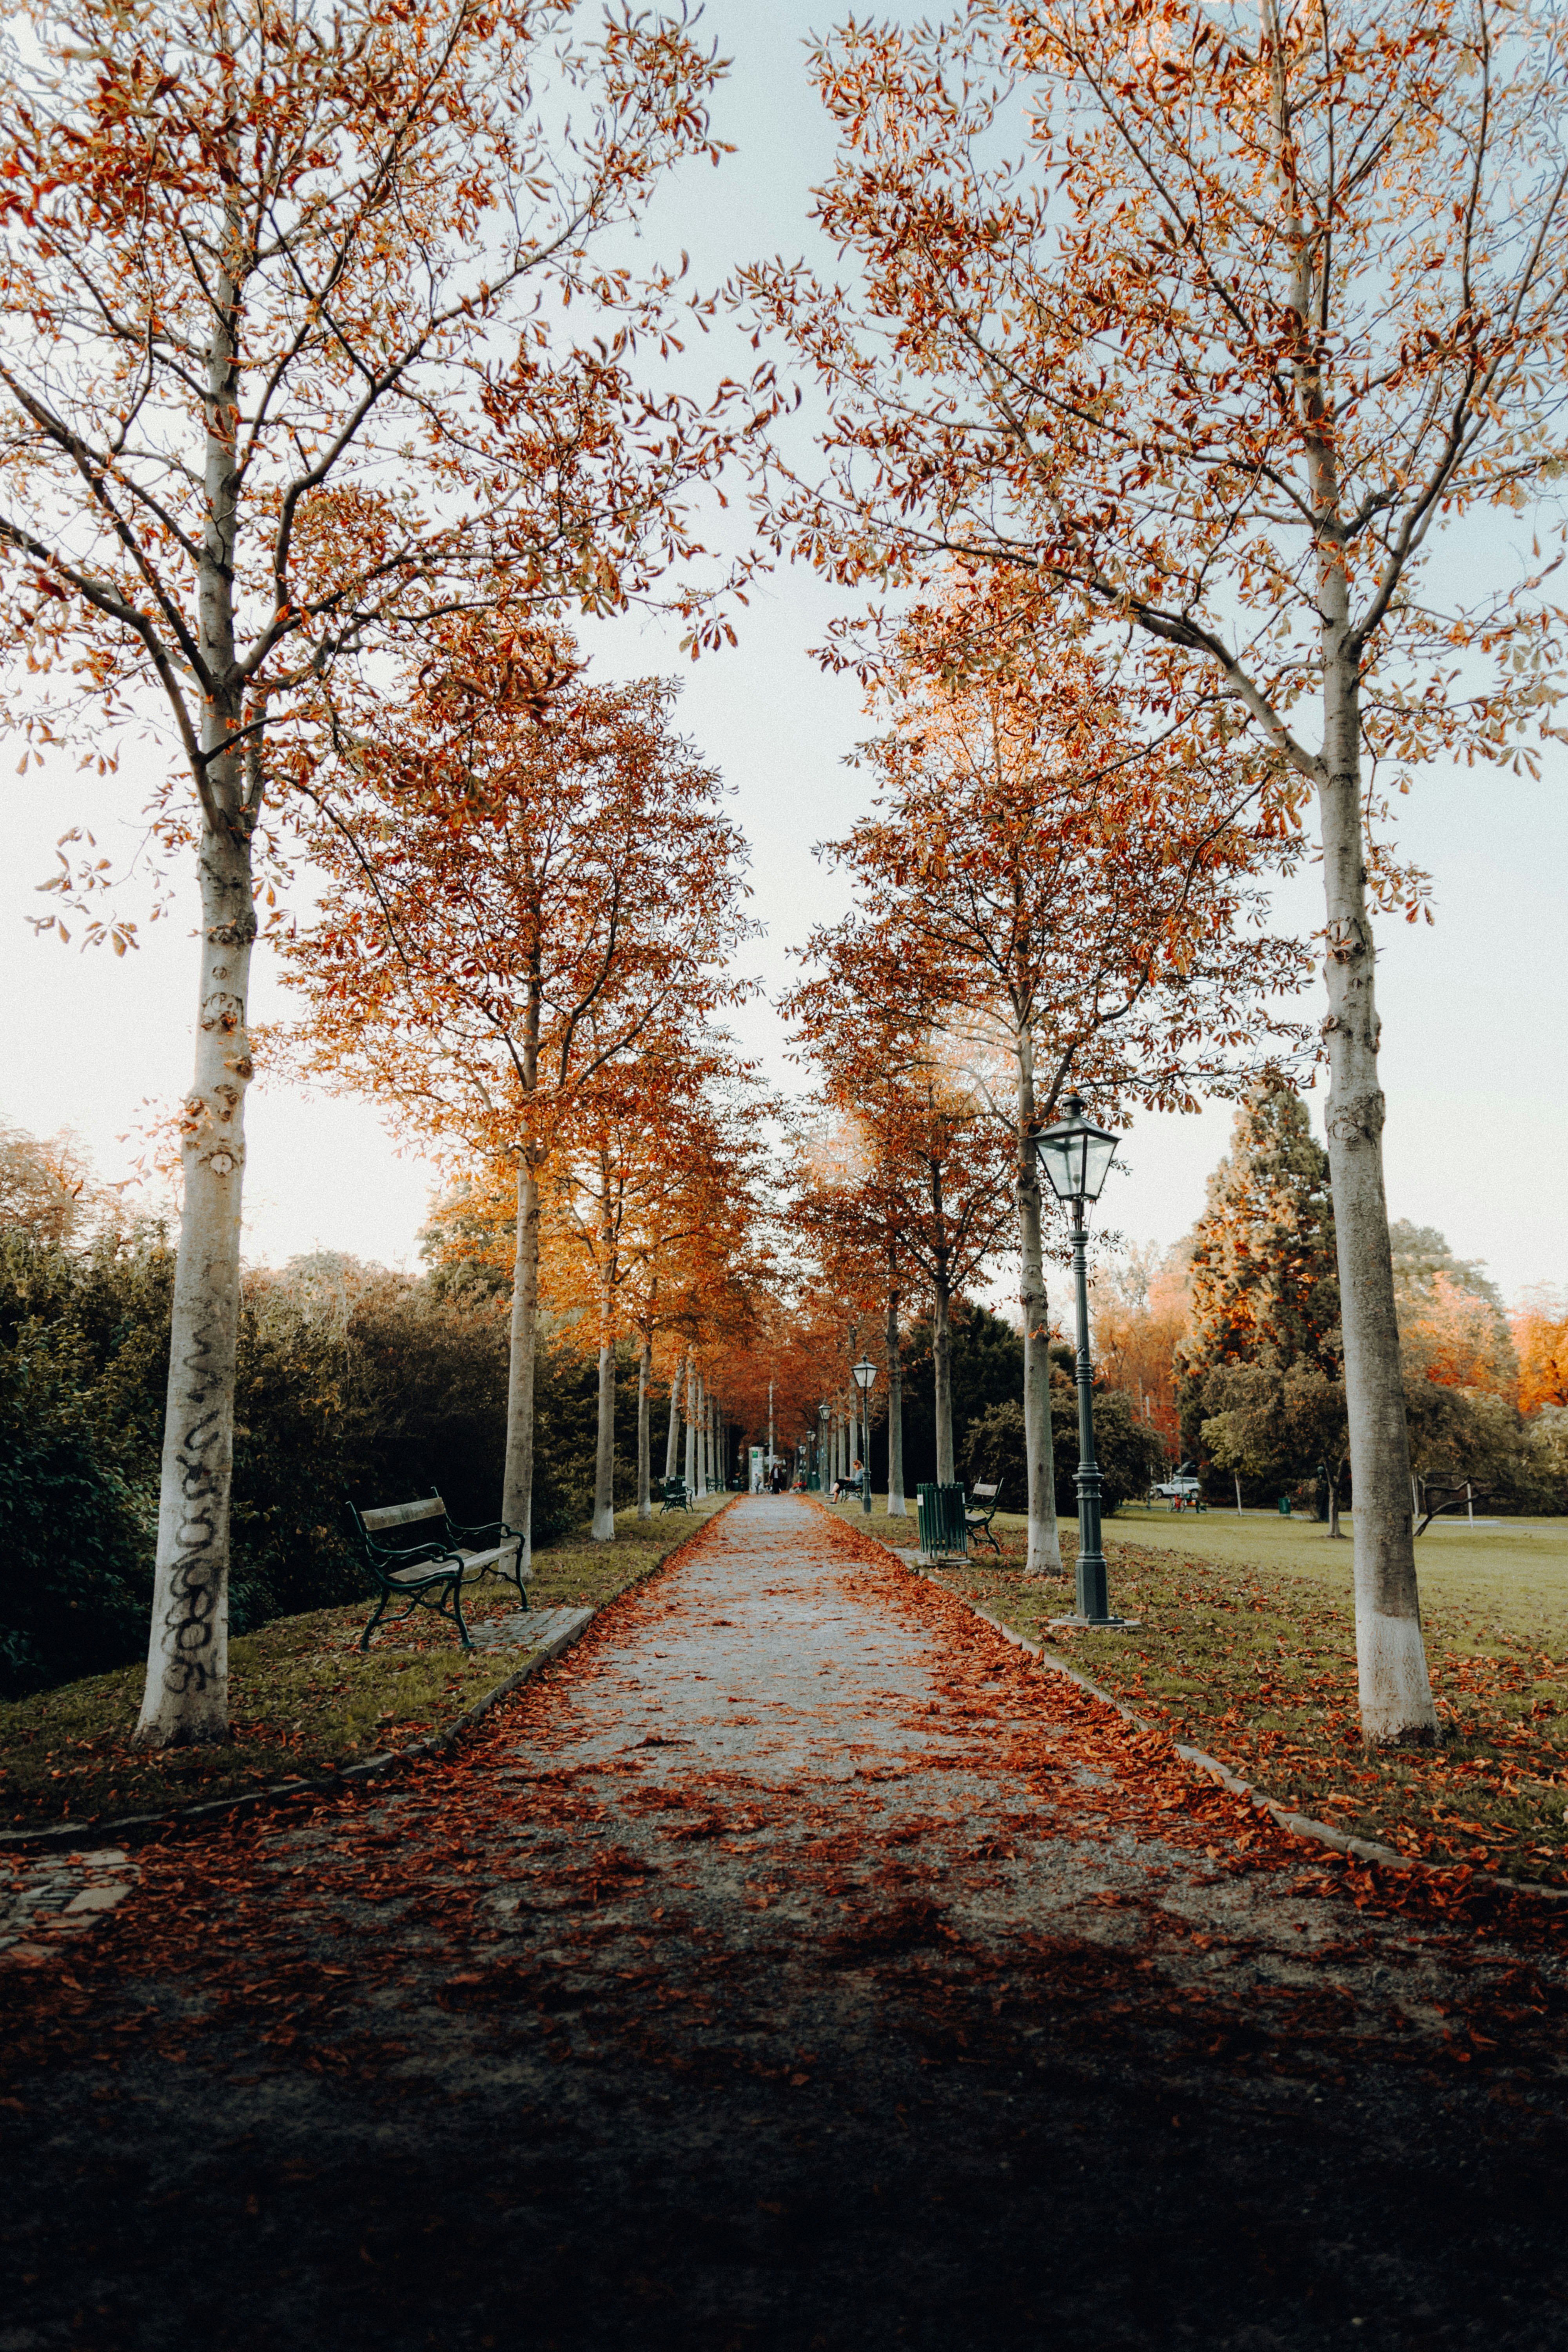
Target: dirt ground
(795, 1965)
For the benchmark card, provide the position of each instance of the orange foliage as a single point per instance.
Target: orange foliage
(1458, 1340)
(1139, 1311)
(1540, 1337)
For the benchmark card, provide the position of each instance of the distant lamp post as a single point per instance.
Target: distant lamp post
(1076, 1156)
(865, 1373)
(822, 1450)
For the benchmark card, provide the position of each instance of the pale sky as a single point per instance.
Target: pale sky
(1475, 1009)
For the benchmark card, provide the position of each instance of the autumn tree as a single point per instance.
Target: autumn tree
(527, 884)
(930, 1158)
(652, 1197)
(1139, 1304)
(288, 370)
(848, 1209)
(1453, 1327)
(1267, 305)
(1073, 904)
(1541, 1338)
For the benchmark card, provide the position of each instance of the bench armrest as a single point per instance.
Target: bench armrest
(498, 1530)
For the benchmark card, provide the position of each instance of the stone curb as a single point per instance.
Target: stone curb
(82, 1837)
(1302, 1825)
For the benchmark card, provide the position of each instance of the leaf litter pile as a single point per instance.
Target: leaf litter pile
(789, 1826)
(1259, 1671)
(303, 1699)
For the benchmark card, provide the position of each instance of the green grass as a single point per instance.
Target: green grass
(302, 1700)
(1247, 1649)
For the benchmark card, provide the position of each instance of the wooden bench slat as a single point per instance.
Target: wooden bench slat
(402, 1515)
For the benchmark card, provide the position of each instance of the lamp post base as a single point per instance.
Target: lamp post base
(1099, 1624)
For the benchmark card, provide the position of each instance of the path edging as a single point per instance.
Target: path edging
(135, 1829)
(1303, 1825)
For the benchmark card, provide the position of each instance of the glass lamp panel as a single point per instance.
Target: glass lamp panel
(1099, 1150)
(1055, 1159)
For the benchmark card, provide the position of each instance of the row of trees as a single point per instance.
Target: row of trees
(1263, 307)
(323, 382)
(347, 1377)
(1154, 430)
(1046, 896)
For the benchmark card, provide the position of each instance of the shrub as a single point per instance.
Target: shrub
(1129, 1453)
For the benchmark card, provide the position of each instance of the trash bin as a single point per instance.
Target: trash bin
(943, 1532)
(1284, 1506)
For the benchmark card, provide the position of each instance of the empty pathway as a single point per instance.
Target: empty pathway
(795, 1965)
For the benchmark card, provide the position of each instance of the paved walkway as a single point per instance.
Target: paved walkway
(792, 1965)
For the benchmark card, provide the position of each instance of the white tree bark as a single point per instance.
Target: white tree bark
(898, 1507)
(1044, 1553)
(672, 1441)
(517, 1484)
(1395, 1693)
(186, 1693)
(604, 1525)
(645, 1449)
(701, 1435)
(691, 1428)
(942, 1365)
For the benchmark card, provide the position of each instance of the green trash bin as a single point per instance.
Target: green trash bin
(945, 1535)
(1284, 1506)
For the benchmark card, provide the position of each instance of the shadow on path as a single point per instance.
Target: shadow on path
(795, 1965)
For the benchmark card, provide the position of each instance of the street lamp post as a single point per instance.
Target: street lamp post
(821, 1448)
(1076, 1156)
(865, 1379)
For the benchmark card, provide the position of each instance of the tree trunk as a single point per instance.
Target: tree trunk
(516, 1484)
(898, 1508)
(186, 1697)
(942, 1362)
(701, 1435)
(691, 1428)
(672, 1443)
(644, 1450)
(1045, 1554)
(186, 1693)
(1396, 1707)
(603, 1527)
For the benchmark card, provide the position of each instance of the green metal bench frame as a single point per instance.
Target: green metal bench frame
(978, 1523)
(675, 1497)
(429, 1573)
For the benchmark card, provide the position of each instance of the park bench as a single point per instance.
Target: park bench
(675, 1497)
(978, 1521)
(429, 1570)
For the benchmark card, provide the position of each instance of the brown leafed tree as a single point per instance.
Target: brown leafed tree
(1240, 333)
(526, 890)
(289, 369)
(1072, 906)
(650, 1196)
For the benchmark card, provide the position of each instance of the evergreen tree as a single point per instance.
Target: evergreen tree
(1264, 1279)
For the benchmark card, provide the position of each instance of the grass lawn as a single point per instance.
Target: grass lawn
(301, 1698)
(1246, 1648)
